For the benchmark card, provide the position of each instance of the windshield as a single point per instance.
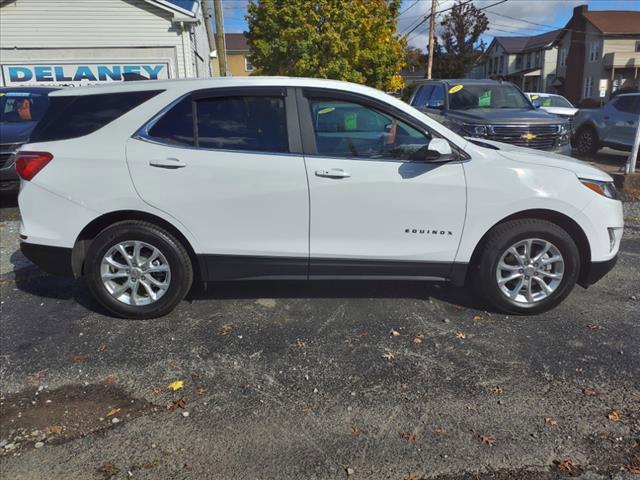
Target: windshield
(466, 97)
(17, 107)
(554, 101)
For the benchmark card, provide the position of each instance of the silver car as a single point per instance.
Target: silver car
(613, 125)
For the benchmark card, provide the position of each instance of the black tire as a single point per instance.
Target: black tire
(173, 251)
(498, 241)
(587, 142)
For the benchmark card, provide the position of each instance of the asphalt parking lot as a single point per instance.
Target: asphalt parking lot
(403, 380)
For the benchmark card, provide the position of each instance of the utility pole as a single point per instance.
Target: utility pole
(633, 156)
(222, 51)
(206, 13)
(432, 37)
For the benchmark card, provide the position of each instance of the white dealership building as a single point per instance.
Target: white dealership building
(78, 42)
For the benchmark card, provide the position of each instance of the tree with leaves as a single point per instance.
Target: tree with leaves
(354, 40)
(460, 44)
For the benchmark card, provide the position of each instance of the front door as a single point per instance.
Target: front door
(377, 208)
(231, 178)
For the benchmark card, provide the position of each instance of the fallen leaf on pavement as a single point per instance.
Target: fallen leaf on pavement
(299, 344)
(487, 440)
(355, 431)
(614, 416)
(634, 468)
(177, 385)
(53, 430)
(472, 408)
(226, 329)
(79, 358)
(388, 356)
(411, 476)
(109, 380)
(440, 431)
(200, 391)
(567, 466)
(108, 470)
(404, 386)
(307, 408)
(113, 411)
(551, 421)
(408, 436)
(418, 339)
(179, 403)
(363, 333)
(101, 348)
(497, 389)
(394, 333)
(457, 307)
(594, 327)
(460, 335)
(350, 471)
(589, 392)
(477, 318)
(579, 370)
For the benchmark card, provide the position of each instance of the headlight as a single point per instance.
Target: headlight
(564, 128)
(475, 130)
(606, 189)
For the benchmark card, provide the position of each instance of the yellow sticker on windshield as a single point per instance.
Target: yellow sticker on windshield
(535, 97)
(1, 94)
(455, 88)
(326, 110)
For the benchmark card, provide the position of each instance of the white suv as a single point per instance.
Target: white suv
(144, 187)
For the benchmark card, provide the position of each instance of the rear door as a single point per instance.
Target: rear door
(621, 120)
(377, 209)
(227, 164)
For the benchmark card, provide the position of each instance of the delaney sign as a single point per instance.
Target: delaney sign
(76, 74)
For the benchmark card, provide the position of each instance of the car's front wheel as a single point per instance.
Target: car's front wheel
(586, 141)
(137, 270)
(527, 266)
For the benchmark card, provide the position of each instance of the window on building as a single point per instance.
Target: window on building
(588, 87)
(502, 64)
(537, 59)
(637, 45)
(529, 58)
(594, 51)
(519, 62)
(563, 57)
(346, 129)
(248, 65)
(242, 123)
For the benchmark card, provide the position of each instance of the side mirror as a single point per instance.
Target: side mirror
(536, 103)
(439, 150)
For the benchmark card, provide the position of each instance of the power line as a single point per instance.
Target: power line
(409, 7)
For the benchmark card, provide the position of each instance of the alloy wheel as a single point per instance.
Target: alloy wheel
(529, 271)
(135, 273)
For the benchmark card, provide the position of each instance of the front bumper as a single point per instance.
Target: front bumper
(595, 271)
(53, 260)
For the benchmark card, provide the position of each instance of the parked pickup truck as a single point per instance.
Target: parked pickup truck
(493, 110)
(613, 125)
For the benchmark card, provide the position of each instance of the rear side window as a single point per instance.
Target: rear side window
(422, 95)
(628, 104)
(77, 116)
(176, 126)
(242, 123)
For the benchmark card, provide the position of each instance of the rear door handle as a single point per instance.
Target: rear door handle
(170, 163)
(333, 173)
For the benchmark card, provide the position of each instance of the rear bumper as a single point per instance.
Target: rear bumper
(53, 260)
(596, 271)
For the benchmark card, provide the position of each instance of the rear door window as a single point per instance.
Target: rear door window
(242, 123)
(628, 104)
(422, 95)
(76, 116)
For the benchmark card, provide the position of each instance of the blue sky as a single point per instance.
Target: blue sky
(548, 14)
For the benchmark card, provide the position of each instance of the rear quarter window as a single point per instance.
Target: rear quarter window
(76, 116)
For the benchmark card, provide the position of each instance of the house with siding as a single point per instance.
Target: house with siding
(528, 61)
(238, 58)
(79, 42)
(599, 53)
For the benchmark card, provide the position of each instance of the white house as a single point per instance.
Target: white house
(78, 42)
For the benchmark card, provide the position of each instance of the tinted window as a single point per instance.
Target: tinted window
(422, 95)
(437, 97)
(627, 104)
(553, 101)
(243, 123)
(72, 117)
(176, 126)
(344, 129)
(20, 107)
(469, 96)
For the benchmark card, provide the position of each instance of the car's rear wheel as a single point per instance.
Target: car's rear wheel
(527, 266)
(587, 141)
(137, 270)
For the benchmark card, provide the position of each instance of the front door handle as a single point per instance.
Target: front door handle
(170, 163)
(333, 173)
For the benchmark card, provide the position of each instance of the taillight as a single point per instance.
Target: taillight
(28, 164)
